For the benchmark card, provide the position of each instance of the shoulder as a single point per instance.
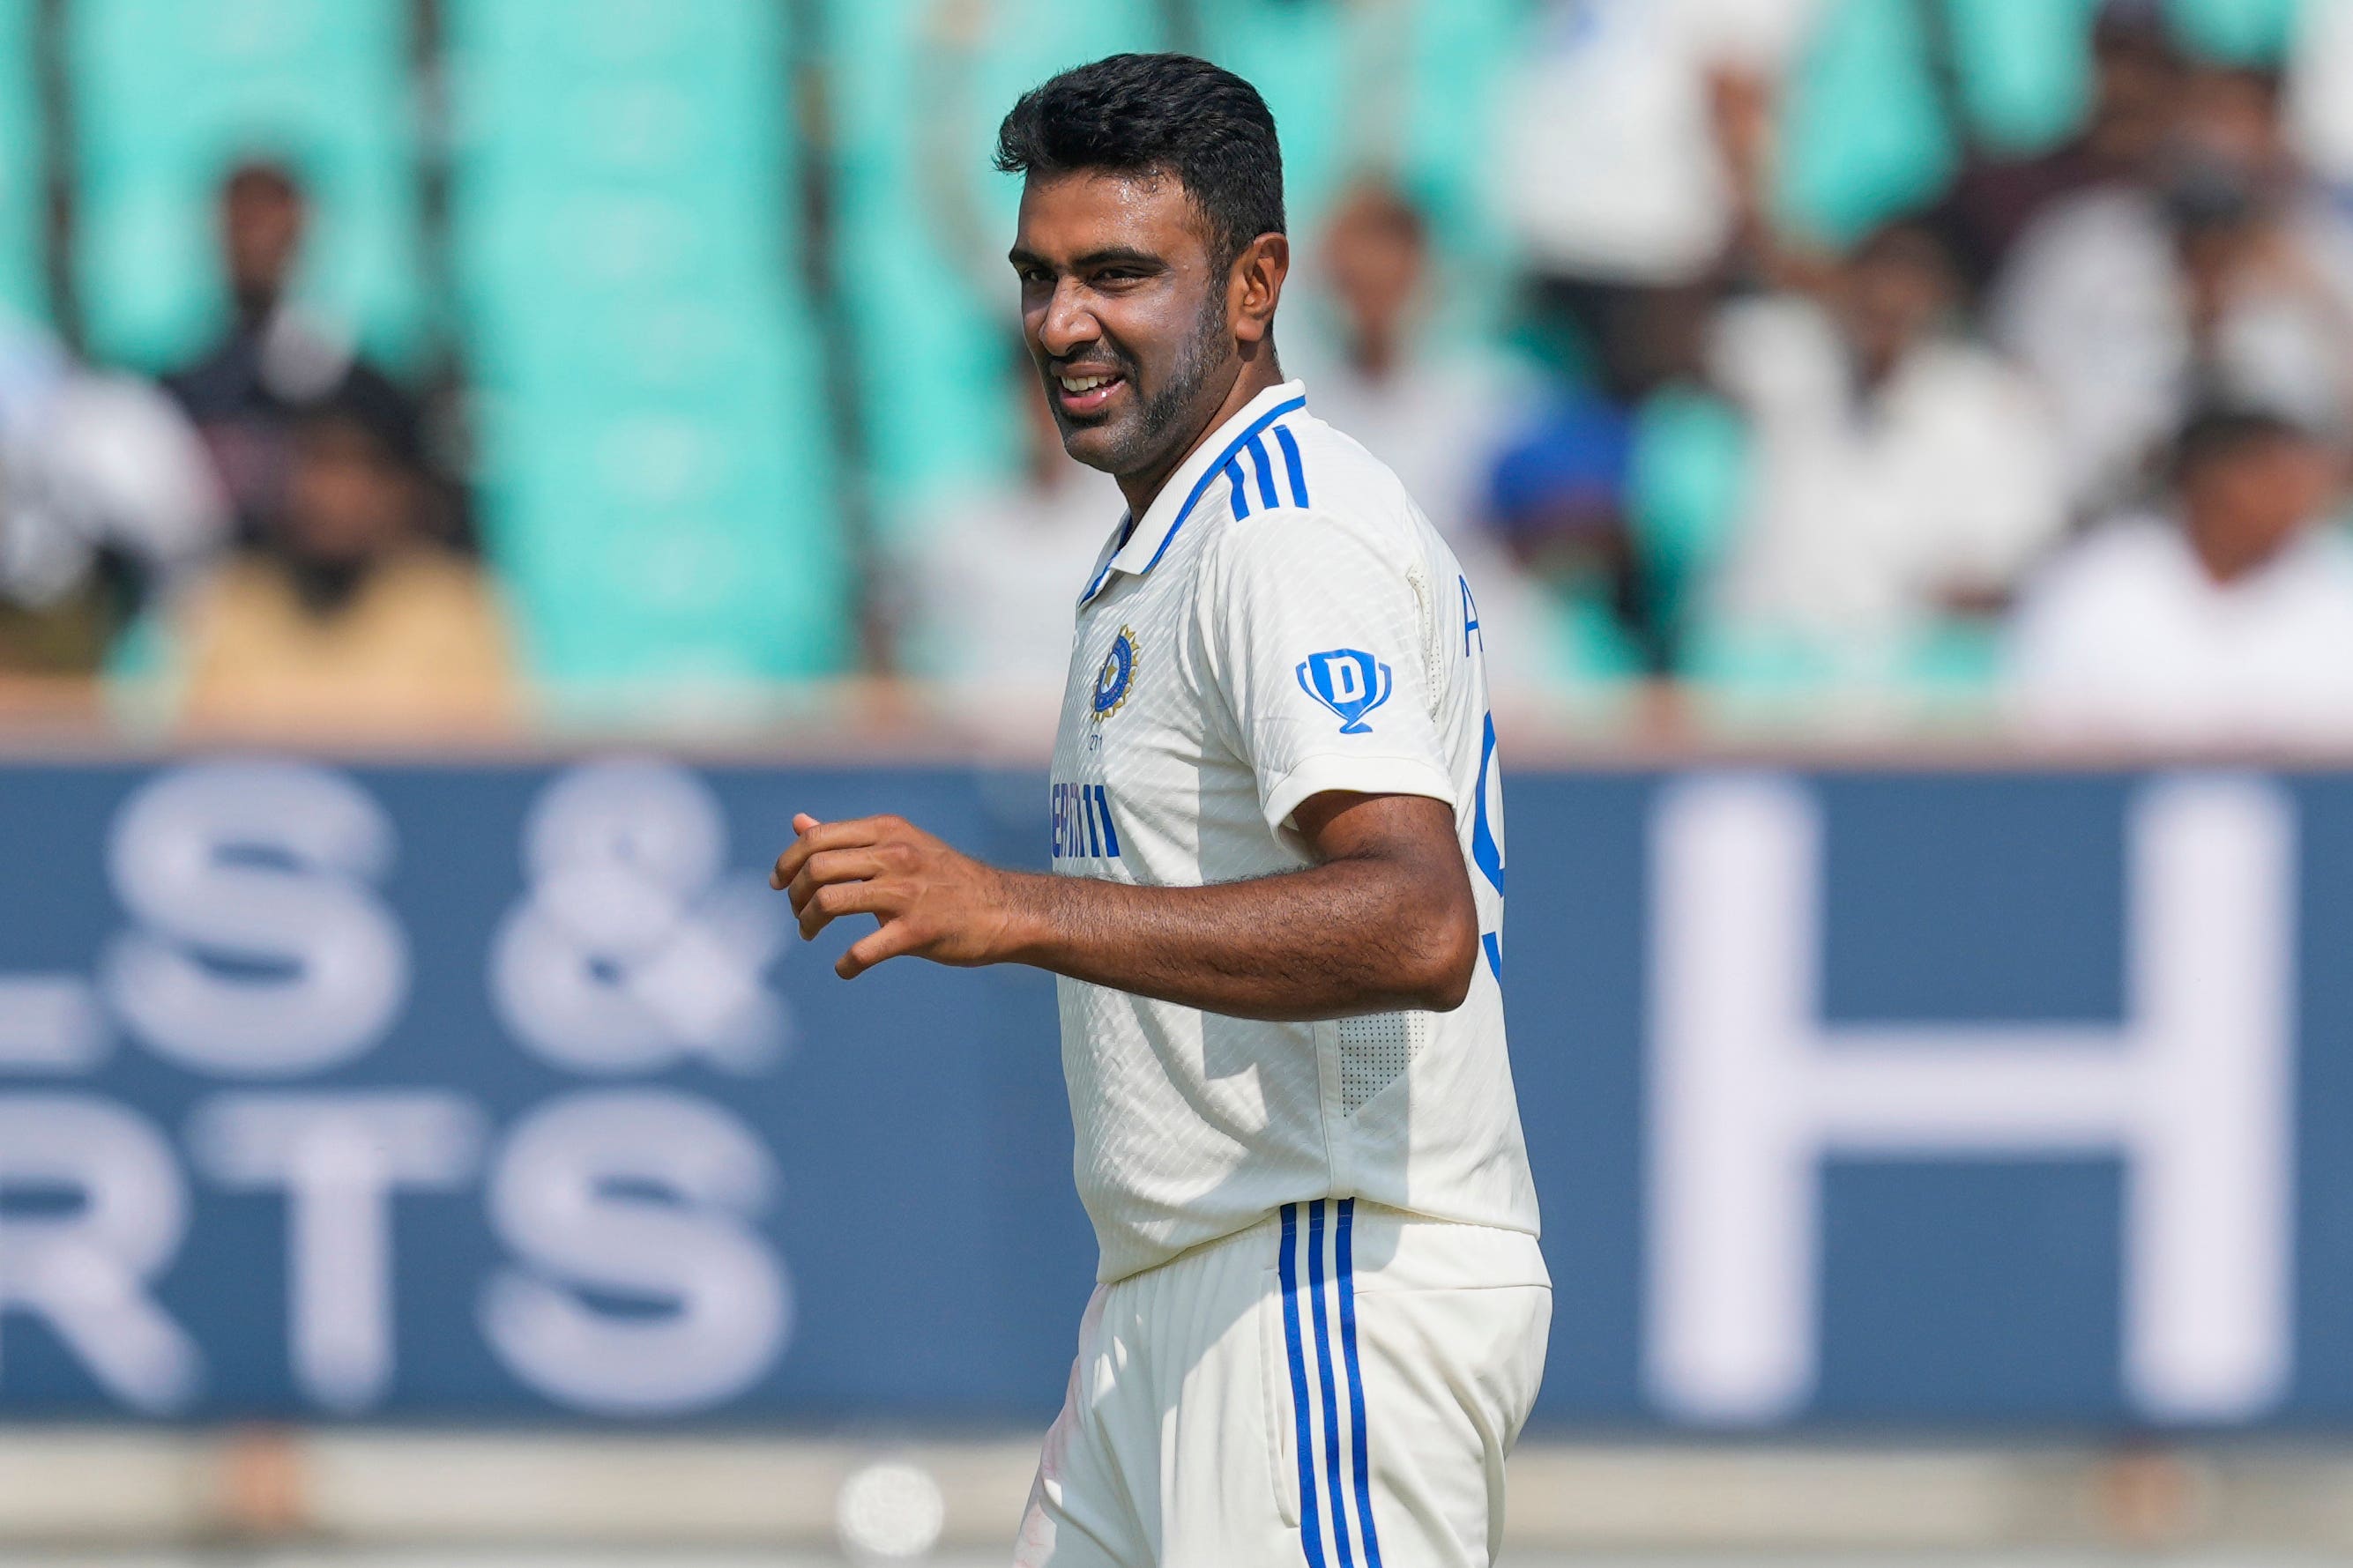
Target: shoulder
(1332, 496)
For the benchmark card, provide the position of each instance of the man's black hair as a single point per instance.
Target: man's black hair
(1157, 114)
(2222, 430)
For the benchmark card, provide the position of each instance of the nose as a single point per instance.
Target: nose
(1066, 323)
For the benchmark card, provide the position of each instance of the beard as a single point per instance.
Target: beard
(1166, 418)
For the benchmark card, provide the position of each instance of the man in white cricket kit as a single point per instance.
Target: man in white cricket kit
(1276, 905)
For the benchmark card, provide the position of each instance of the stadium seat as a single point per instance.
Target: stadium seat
(167, 95)
(23, 290)
(657, 481)
(1866, 129)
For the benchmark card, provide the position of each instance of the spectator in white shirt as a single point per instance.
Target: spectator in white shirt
(2228, 278)
(988, 581)
(2226, 620)
(1900, 475)
(1437, 407)
(1631, 157)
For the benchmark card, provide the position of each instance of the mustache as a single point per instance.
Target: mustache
(1110, 365)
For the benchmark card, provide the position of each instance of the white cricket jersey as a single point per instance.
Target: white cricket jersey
(1282, 621)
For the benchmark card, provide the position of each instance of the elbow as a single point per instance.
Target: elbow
(1449, 963)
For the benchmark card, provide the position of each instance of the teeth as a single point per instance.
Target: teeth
(1082, 383)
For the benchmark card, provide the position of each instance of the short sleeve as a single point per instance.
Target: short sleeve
(1318, 634)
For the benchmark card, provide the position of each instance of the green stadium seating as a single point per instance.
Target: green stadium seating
(23, 288)
(1866, 131)
(167, 95)
(658, 476)
(2246, 32)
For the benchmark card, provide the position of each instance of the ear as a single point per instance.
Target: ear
(1256, 286)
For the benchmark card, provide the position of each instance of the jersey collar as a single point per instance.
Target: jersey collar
(1148, 540)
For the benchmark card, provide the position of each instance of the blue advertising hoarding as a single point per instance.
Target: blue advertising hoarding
(466, 1092)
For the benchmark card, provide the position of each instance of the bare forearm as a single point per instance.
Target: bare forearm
(1338, 939)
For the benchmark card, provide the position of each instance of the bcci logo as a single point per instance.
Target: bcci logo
(1349, 681)
(1118, 673)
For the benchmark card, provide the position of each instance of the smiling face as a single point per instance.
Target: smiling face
(1126, 309)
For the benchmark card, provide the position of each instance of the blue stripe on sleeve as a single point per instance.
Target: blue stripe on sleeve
(1324, 1371)
(1258, 462)
(1241, 494)
(1290, 461)
(1311, 1528)
(1346, 1266)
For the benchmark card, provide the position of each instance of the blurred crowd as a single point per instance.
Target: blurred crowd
(2054, 443)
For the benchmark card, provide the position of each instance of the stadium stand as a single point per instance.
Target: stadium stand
(657, 480)
(22, 148)
(165, 96)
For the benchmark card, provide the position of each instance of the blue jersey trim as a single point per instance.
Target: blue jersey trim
(1311, 1528)
(1110, 833)
(1290, 461)
(1185, 511)
(1126, 531)
(1241, 498)
(1345, 1247)
(1333, 1485)
(1265, 469)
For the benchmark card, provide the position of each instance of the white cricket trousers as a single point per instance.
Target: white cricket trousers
(1336, 1387)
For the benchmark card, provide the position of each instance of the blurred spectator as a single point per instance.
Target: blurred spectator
(2230, 277)
(1901, 475)
(1631, 159)
(987, 586)
(2136, 75)
(2230, 619)
(2320, 90)
(1565, 601)
(1433, 407)
(277, 359)
(349, 619)
(106, 503)
(1436, 409)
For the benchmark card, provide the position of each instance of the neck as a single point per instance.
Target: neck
(1257, 373)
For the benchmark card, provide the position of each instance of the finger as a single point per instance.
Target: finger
(822, 835)
(830, 904)
(894, 938)
(830, 865)
(802, 822)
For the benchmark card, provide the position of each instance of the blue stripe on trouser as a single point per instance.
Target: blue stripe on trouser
(1311, 1528)
(1323, 1372)
(1346, 1250)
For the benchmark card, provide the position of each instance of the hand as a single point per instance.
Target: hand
(930, 901)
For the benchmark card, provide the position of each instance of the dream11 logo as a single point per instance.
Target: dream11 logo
(1751, 1091)
(259, 952)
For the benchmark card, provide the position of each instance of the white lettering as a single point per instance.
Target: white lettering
(261, 950)
(1750, 1091)
(339, 1158)
(86, 1270)
(561, 1196)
